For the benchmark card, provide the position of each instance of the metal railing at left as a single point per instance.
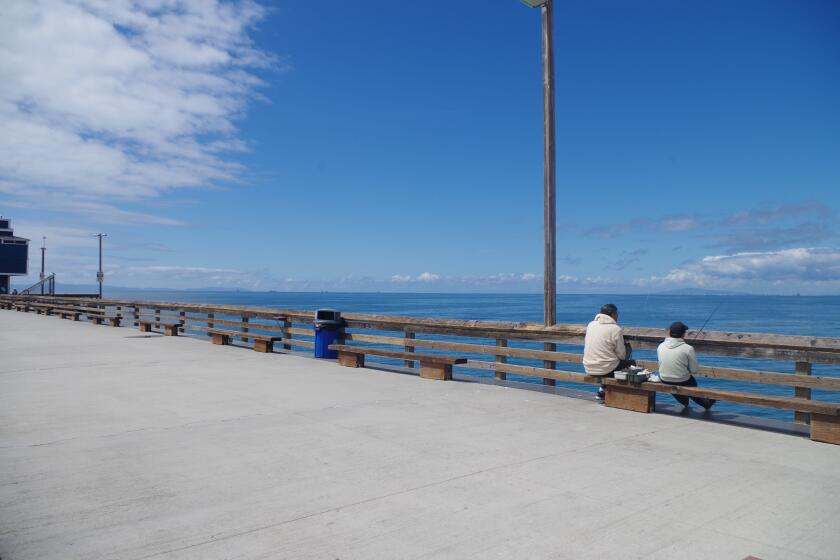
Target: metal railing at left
(44, 287)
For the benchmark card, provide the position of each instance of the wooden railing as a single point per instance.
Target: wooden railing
(489, 345)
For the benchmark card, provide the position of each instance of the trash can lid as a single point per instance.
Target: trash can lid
(327, 315)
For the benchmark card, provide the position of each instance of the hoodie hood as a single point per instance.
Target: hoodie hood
(604, 319)
(673, 342)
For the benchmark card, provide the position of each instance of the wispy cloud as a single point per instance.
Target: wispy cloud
(774, 226)
(776, 212)
(104, 102)
(768, 238)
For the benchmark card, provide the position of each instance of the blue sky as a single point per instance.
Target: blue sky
(369, 145)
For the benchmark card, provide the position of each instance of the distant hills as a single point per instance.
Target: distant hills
(701, 292)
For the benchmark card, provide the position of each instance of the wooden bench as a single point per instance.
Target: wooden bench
(42, 308)
(170, 329)
(262, 342)
(99, 318)
(432, 366)
(23, 307)
(641, 397)
(69, 314)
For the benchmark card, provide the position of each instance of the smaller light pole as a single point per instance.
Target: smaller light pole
(100, 276)
(43, 251)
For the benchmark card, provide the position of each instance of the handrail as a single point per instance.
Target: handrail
(743, 344)
(49, 281)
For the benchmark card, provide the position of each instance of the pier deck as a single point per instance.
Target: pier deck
(116, 444)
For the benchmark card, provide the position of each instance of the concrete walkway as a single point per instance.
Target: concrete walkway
(118, 445)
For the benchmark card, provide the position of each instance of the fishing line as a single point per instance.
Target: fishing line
(706, 322)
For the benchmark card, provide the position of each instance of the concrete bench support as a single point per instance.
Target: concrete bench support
(630, 398)
(825, 428)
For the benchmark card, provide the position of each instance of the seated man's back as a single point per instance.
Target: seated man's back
(604, 347)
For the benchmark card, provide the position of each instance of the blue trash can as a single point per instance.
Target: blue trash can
(328, 326)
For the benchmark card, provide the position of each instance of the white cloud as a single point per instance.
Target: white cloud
(792, 267)
(428, 277)
(401, 278)
(122, 99)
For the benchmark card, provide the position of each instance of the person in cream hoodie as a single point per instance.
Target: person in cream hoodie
(604, 349)
(678, 363)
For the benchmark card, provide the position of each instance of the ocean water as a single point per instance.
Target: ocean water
(793, 315)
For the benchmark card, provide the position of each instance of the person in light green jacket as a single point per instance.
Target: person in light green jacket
(678, 363)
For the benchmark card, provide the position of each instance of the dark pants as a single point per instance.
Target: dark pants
(683, 400)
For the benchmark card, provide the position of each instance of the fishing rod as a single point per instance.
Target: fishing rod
(706, 322)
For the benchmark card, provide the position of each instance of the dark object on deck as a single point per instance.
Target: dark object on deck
(328, 328)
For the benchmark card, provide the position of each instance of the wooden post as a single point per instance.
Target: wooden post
(136, 315)
(183, 315)
(119, 311)
(210, 323)
(802, 368)
(410, 335)
(244, 329)
(351, 359)
(287, 334)
(548, 364)
(501, 359)
(439, 372)
(549, 213)
(157, 318)
(825, 428)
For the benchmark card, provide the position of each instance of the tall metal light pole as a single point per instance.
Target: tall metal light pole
(549, 203)
(549, 213)
(43, 251)
(99, 275)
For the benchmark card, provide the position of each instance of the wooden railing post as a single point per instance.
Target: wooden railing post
(410, 335)
(547, 364)
(287, 333)
(118, 312)
(244, 328)
(501, 359)
(210, 323)
(802, 368)
(183, 320)
(136, 315)
(157, 318)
